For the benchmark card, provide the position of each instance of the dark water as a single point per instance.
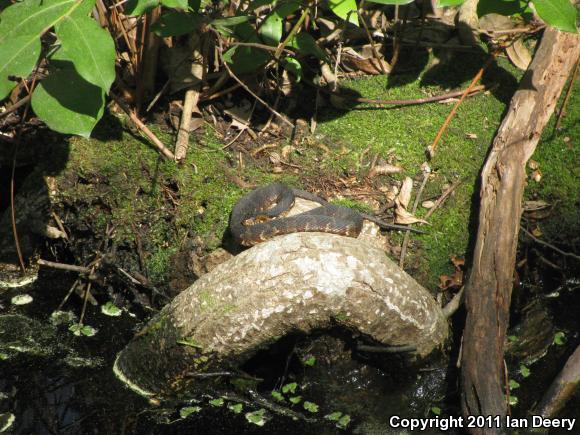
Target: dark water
(73, 390)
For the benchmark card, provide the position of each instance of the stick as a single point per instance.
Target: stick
(156, 142)
(452, 113)
(442, 198)
(246, 88)
(63, 266)
(182, 143)
(554, 248)
(414, 210)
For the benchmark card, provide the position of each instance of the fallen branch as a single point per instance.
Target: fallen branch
(299, 282)
(562, 389)
(489, 286)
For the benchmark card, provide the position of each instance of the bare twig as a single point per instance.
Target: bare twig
(84, 310)
(452, 113)
(246, 88)
(15, 106)
(370, 39)
(454, 304)
(406, 239)
(156, 142)
(386, 349)
(548, 245)
(63, 266)
(158, 95)
(213, 96)
(295, 29)
(13, 172)
(425, 100)
(60, 225)
(182, 143)
(512, 31)
(67, 295)
(258, 46)
(442, 198)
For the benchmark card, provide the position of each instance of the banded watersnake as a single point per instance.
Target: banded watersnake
(255, 217)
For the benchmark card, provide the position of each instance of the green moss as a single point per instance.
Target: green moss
(137, 192)
(559, 162)
(406, 132)
(350, 203)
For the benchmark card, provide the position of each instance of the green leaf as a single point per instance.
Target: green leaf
(110, 309)
(513, 384)
(436, 410)
(513, 401)
(345, 9)
(22, 299)
(557, 13)
(236, 408)
(333, 416)
(305, 44)
(176, 24)
(194, 5)
(230, 21)
(278, 396)
(271, 28)
(293, 66)
(139, 7)
(524, 371)
(310, 361)
(444, 3)
(512, 338)
(21, 26)
(295, 399)
(290, 388)
(19, 55)
(391, 2)
(86, 330)
(188, 410)
(34, 17)
(257, 417)
(89, 47)
(559, 338)
(217, 402)
(343, 421)
(258, 4)
(176, 4)
(502, 7)
(310, 407)
(244, 60)
(66, 102)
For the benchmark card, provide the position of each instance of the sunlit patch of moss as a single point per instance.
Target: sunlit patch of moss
(406, 132)
(558, 158)
(137, 192)
(355, 205)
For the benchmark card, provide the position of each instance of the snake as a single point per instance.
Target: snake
(258, 216)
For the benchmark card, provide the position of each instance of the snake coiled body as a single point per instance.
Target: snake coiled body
(263, 206)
